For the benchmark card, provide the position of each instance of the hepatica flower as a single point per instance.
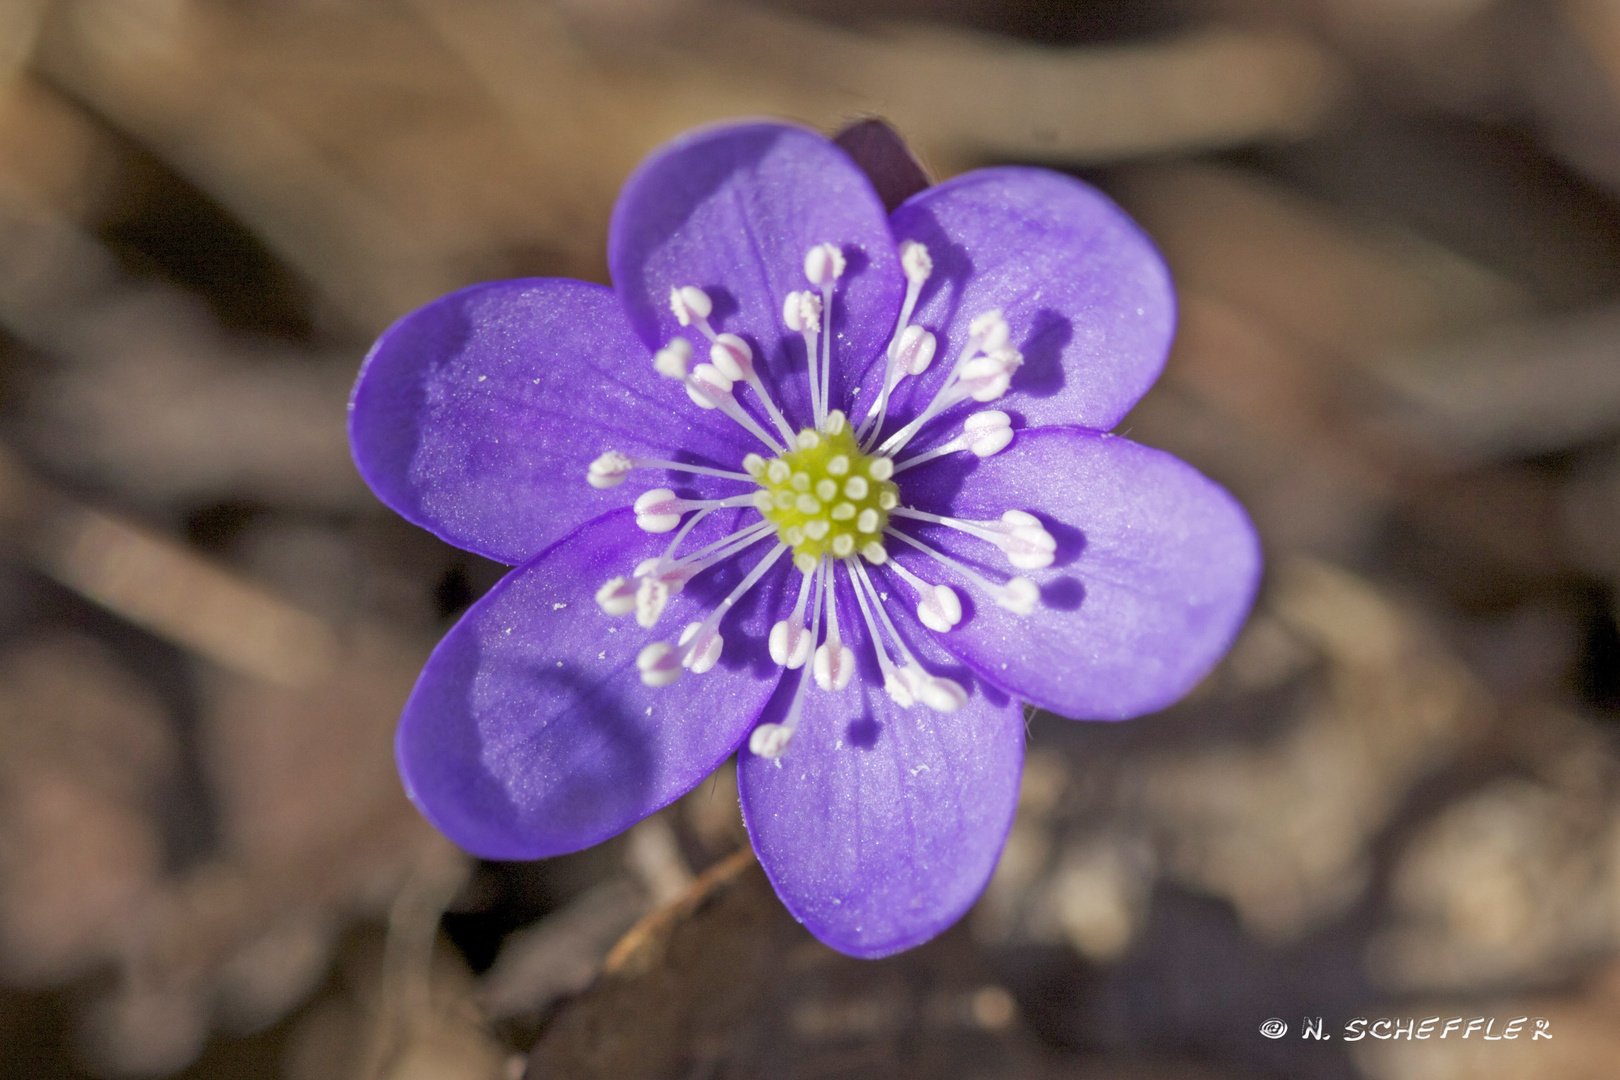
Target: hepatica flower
(815, 483)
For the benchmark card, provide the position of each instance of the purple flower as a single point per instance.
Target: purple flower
(822, 483)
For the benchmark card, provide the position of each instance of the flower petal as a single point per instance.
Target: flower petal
(880, 826)
(734, 210)
(1086, 294)
(1155, 571)
(476, 416)
(530, 732)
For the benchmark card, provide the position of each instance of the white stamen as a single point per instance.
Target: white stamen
(617, 596)
(1020, 535)
(700, 656)
(652, 593)
(942, 694)
(938, 606)
(989, 330)
(732, 355)
(914, 351)
(984, 433)
(707, 385)
(790, 643)
(699, 639)
(983, 371)
(659, 664)
(1019, 595)
(988, 377)
(770, 740)
(672, 359)
(690, 304)
(802, 312)
(911, 348)
(835, 663)
(609, 470)
(911, 679)
(754, 466)
(824, 264)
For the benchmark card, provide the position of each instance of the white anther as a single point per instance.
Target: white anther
(817, 529)
(843, 545)
(671, 360)
(617, 597)
(808, 440)
(754, 465)
(802, 311)
(659, 663)
(732, 356)
(793, 535)
(881, 468)
(1018, 596)
(987, 377)
(801, 481)
(835, 423)
(805, 561)
(826, 490)
(888, 500)
(790, 644)
(807, 504)
(989, 331)
(837, 465)
(609, 470)
(834, 666)
(763, 502)
(1025, 540)
(941, 694)
(690, 304)
(867, 522)
(874, 552)
(843, 511)
(658, 510)
(823, 264)
(914, 350)
(770, 740)
(707, 386)
(778, 471)
(915, 261)
(940, 608)
(703, 655)
(987, 432)
(651, 596)
(901, 686)
(856, 487)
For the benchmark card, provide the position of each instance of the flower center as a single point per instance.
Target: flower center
(825, 496)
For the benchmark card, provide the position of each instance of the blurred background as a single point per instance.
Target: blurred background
(1395, 225)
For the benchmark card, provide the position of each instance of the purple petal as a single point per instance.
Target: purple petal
(880, 826)
(1156, 569)
(530, 732)
(1084, 290)
(477, 415)
(733, 211)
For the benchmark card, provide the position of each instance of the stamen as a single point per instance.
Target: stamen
(984, 433)
(938, 606)
(935, 691)
(1020, 535)
(702, 654)
(707, 386)
(660, 578)
(611, 468)
(983, 372)
(835, 664)
(672, 359)
(732, 355)
(911, 348)
(1018, 595)
(790, 642)
(700, 643)
(802, 313)
(690, 304)
(771, 740)
(659, 664)
(617, 596)
(660, 510)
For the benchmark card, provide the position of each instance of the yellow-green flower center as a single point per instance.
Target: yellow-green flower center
(825, 496)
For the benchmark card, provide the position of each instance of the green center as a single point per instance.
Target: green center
(825, 496)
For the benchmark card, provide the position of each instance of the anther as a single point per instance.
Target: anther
(689, 304)
(914, 350)
(609, 470)
(988, 377)
(732, 356)
(823, 264)
(659, 510)
(617, 596)
(881, 468)
(989, 330)
(915, 262)
(941, 694)
(790, 643)
(659, 664)
(754, 465)
(843, 511)
(807, 504)
(874, 552)
(707, 386)
(835, 665)
(1027, 543)
(770, 740)
(826, 490)
(987, 432)
(651, 596)
(808, 440)
(802, 312)
(856, 487)
(866, 522)
(702, 654)
(671, 360)
(778, 471)
(837, 465)
(1018, 596)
